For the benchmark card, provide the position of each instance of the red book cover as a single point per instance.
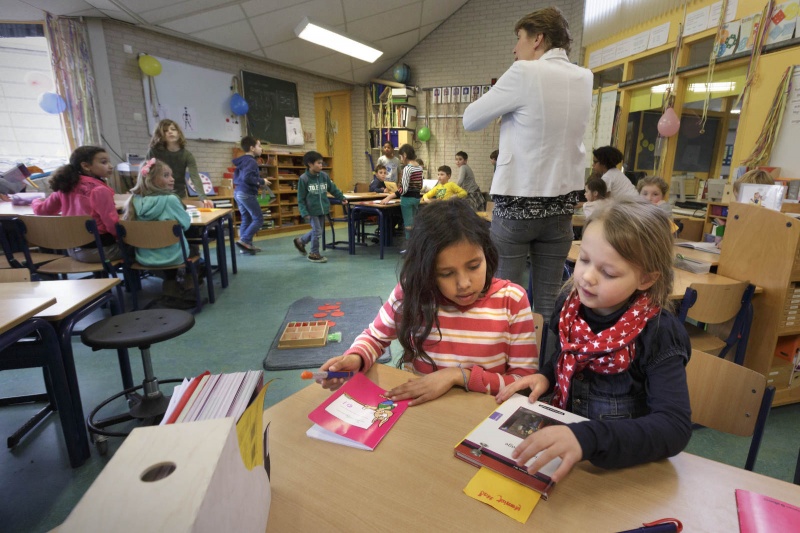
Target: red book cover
(762, 514)
(357, 415)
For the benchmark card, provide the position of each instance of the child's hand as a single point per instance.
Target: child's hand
(342, 363)
(428, 387)
(208, 203)
(552, 442)
(537, 382)
(344, 201)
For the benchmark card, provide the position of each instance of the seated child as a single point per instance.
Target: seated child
(756, 176)
(378, 179)
(445, 189)
(79, 189)
(596, 192)
(459, 325)
(621, 352)
(153, 198)
(654, 189)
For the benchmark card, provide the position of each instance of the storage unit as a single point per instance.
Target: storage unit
(282, 213)
(763, 246)
(391, 117)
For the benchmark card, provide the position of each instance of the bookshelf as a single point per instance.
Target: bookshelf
(762, 246)
(392, 116)
(283, 169)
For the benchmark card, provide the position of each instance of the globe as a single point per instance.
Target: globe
(401, 73)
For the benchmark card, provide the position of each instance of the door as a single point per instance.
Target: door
(334, 136)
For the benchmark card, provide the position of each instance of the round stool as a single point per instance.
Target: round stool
(137, 329)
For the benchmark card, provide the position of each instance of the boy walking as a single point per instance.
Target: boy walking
(312, 199)
(246, 181)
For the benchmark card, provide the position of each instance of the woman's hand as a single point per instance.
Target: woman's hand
(537, 382)
(208, 203)
(342, 363)
(550, 442)
(428, 387)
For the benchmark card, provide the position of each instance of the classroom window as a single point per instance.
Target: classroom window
(27, 133)
(610, 76)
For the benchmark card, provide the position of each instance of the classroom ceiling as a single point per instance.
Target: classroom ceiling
(265, 28)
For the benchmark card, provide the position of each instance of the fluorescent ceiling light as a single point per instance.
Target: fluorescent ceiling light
(660, 88)
(714, 87)
(318, 34)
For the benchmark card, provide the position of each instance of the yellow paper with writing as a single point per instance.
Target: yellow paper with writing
(249, 431)
(505, 495)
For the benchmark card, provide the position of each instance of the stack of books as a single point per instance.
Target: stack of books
(223, 203)
(209, 396)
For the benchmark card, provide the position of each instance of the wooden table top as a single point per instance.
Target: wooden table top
(209, 217)
(691, 253)
(16, 311)
(8, 210)
(70, 294)
(412, 481)
(373, 203)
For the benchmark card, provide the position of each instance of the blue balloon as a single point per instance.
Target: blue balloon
(52, 103)
(239, 105)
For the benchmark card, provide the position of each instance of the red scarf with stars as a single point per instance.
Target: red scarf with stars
(608, 352)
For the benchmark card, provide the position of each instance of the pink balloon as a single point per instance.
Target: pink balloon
(669, 123)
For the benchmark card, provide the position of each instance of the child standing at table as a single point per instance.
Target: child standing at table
(80, 189)
(390, 161)
(621, 352)
(312, 199)
(410, 187)
(247, 180)
(459, 325)
(445, 189)
(378, 183)
(169, 145)
(153, 198)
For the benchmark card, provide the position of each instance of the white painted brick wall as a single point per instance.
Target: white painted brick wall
(471, 47)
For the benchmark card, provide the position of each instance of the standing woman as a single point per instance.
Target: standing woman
(544, 101)
(169, 145)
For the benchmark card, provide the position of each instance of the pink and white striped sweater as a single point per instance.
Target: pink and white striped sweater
(494, 337)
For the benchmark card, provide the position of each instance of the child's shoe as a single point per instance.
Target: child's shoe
(300, 246)
(316, 258)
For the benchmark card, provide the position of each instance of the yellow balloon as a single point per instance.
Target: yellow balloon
(149, 65)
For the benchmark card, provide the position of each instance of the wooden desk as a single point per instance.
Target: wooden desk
(384, 213)
(207, 220)
(691, 253)
(9, 210)
(363, 196)
(17, 311)
(412, 481)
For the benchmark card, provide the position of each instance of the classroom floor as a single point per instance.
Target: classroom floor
(234, 334)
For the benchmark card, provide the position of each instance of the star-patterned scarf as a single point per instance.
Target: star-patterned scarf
(609, 352)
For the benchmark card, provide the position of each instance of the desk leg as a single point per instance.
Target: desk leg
(351, 233)
(231, 230)
(222, 260)
(209, 266)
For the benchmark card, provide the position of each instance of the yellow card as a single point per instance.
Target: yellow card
(249, 431)
(505, 495)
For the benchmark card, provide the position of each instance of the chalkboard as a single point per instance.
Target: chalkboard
(197, 98)
(270, 101)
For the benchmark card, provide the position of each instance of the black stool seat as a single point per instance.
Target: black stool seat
(137, 329)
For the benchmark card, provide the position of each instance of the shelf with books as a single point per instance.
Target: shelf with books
(283, 170)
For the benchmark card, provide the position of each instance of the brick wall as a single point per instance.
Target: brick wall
(470, 48)
(212, 156)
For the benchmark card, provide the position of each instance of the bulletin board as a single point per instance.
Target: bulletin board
(196, 98)
(271, 101)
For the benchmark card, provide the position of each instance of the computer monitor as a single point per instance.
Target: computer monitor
(714, 189)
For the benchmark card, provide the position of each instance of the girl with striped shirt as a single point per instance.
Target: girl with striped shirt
(409, 190)
(458, 325)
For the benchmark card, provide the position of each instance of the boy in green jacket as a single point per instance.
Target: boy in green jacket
(312, 199)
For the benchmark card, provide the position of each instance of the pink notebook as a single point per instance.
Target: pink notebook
(357, 415)
(762, 514)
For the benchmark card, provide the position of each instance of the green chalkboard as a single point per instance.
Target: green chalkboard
(270, 101)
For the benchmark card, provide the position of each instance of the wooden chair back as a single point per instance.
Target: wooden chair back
(724, 396)
(361, 186)
(538, 324)
(56, 232)
(716, 304)
(150, 234)
(14, 274)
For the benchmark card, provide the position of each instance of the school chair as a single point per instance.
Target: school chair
(797, 470)
(63, 233)
(712, 307)
(331, 220)
(730, 398)
(154, 234)
(137, 329)
(361, 186)
(13, 256)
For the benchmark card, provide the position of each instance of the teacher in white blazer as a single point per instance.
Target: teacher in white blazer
(544, 101)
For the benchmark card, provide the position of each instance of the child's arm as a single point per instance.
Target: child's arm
(102, 200)
(458, 191)
(49, 206)
(335, 190)
(177, 211)
(191, 166)
(302, 192)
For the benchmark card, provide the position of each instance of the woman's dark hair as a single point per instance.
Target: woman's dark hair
(436, 227)
(408, 151)
(608, 156)
(550, 22)
(66, 177)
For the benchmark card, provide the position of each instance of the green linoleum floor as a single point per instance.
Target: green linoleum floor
(232, 335)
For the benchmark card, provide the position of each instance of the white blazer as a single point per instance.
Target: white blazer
(545, 105)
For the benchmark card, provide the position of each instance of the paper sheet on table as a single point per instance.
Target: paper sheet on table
(505, 495)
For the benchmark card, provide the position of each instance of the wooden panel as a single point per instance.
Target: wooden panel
(716, 303)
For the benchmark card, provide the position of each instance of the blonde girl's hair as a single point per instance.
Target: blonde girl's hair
(146, 186)
(641, 234)
(653, 180)
(757, 176)
(159, 139)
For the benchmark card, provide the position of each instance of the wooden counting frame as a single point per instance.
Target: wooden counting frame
(304, 335)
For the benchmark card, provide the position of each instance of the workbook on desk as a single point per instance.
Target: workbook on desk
(762, 514)
(358, 414)
(709, 247)
(491, 443)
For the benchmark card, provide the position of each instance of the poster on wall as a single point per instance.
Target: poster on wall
(294, 131)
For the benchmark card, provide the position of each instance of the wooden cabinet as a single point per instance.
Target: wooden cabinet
(282, 213)
(392, 118)
(763, 246)
(715, 211)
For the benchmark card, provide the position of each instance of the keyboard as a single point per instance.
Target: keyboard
(691, 205)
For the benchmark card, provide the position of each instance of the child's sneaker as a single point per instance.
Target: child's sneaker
(300, 246)
(316, 258)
